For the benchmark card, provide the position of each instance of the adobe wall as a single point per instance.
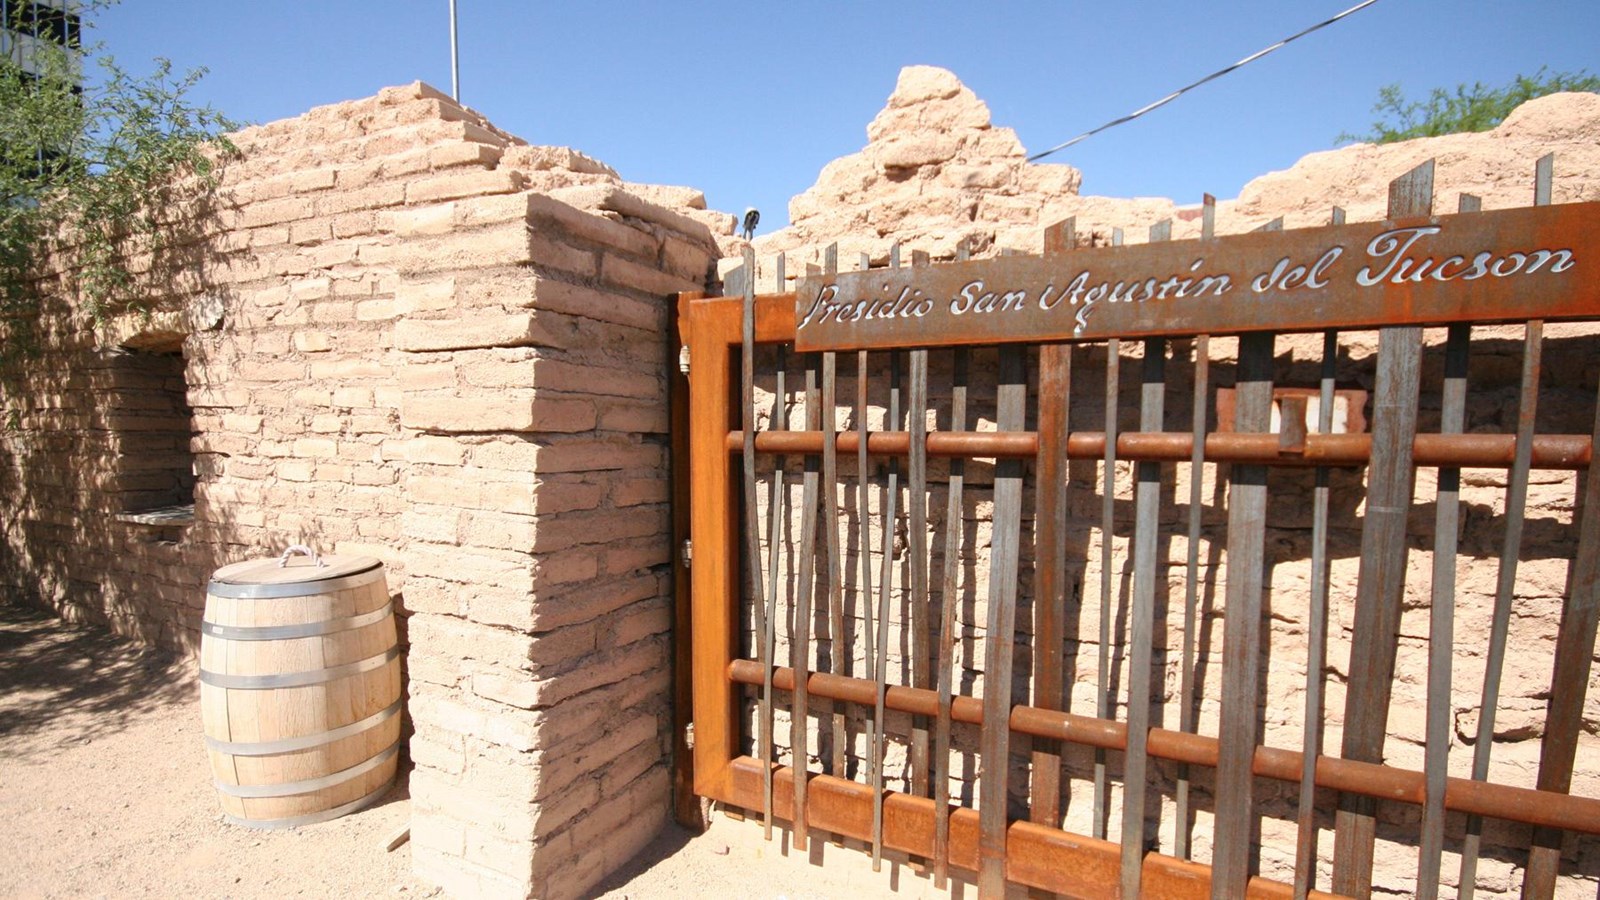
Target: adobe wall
(936, 174)
(400, 332)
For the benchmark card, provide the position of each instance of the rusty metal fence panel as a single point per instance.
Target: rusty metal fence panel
(1017, 609)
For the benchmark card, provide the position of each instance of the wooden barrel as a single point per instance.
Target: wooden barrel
(299, 687)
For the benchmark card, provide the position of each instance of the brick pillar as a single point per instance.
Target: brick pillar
(538, 535)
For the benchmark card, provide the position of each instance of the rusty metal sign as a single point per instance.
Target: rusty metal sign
(1537, 262)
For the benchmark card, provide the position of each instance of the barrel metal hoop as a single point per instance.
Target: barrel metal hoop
(293, 589)
(299, 630)
(292, 788)
(304, 742)
(297, 679)
(311, 818)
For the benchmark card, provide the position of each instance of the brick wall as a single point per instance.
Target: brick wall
(534, 398)
(404, 334)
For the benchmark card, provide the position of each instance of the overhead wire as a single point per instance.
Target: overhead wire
(1212, 77)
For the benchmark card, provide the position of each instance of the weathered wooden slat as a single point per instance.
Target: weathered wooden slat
(1146, 538)
(886, 583)
(1000, 634)
(1505, 591)
(1506, 582)
(1569, 682)
(864, 512)
(839, 642)
(1108, 600)
(949, 596)
(1050, 554)
(1060, 237)
(1050, 578)
(839, 647)
(800, 629)
(1147, 526)
(1441, 619)
(1106, 703)
(752, 522)
(1441, 616)
(1191, 591)
(1305, 855)
(917, 544)
(1381, 576)
(917, 548)
(777, 508)
(1247, 507)
(950, 588)
(1191, 597)
(1574, 655)
(1241, 652)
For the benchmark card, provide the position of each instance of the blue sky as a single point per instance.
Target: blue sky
(748, 100)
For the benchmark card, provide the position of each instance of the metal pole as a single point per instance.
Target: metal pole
(455, 63)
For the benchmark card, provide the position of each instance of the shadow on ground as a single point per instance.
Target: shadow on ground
(672, 839)
(51, 670)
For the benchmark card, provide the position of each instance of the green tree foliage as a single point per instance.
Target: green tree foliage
(1475, 108)
(94, 167)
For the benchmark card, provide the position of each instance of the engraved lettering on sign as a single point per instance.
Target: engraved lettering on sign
(909, 303)
(1392, 249)
(1287, 277)
(975, 297)
(1330, 276)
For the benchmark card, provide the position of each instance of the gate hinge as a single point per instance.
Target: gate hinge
(688, 736)
(687, 553)
(683, 360)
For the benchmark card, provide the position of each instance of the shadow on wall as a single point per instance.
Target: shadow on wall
(94, 424)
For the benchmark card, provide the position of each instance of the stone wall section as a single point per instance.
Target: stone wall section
(404, 334)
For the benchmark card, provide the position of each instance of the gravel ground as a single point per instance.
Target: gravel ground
(105, 792)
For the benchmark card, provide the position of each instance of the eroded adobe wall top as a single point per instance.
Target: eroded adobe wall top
(936, 171)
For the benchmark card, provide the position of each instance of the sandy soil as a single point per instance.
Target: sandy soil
(105, 792)
(732, 859)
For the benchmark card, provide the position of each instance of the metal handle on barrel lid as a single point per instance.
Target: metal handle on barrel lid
(283, 561)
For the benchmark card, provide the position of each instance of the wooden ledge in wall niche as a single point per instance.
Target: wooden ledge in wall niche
(161, 517)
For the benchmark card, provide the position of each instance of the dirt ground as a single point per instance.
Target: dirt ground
(105, 792)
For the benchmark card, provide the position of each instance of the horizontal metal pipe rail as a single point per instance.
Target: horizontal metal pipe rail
(1488, 451)
(1464, 795)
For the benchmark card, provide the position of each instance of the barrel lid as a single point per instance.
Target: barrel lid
(296, 570)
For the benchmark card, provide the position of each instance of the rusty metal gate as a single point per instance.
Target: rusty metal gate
(957, 588)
